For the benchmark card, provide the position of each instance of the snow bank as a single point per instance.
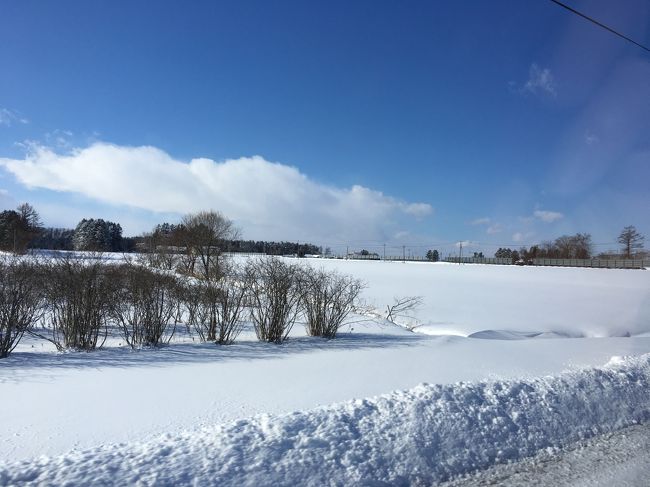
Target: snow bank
(427, 434)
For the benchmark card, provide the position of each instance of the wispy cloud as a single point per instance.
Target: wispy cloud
(591, 138)
(540, 82)
(548, 216)
(522, 236)
(496, 228)
(61, 139)
(11, 117)
(268, 199)
(480, 221)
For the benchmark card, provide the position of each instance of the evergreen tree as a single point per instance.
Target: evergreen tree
(97, 235)
(433, 255)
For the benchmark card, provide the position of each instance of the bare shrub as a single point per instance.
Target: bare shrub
(21, 302)
(215, 309)
(275, 297)
(145, 306)
(328, 299)
(79, 295)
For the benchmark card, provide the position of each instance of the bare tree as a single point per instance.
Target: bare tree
(206, 234)
(631, 240)
(328, 299)
(146, 305)
(163, 246)
(21, 302)
(18, 228)
(275, 297)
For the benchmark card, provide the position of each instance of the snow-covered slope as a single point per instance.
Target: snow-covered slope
(479, 323)
(467, 299)
(423, 435)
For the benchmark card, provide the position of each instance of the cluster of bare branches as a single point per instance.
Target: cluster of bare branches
(402, 306)
(79, 295)
(145, 305)
(79, 299)
(21, 302)
(275, 297)
(279, 293)
(215, 309)
(328, 299)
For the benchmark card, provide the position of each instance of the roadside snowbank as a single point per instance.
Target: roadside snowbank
(427, 434)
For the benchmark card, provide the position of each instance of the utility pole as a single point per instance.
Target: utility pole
(384, 251)
(403, 253)
(460, 257)
(347, 252)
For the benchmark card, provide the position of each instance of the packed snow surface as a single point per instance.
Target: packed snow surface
(523, 342)
(415, 437)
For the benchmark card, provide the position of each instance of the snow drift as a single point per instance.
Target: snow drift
(427, 434)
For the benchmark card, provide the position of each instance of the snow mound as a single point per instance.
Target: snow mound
(427, 434)
(504, 335)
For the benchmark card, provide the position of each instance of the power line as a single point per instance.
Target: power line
(599, 24)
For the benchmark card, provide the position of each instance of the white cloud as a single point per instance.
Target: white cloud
(547, 216)
(418, 210)
(480, 221)
(520, 236)
(267, 199)
(540, 81)
(10, 117)
(492, 229)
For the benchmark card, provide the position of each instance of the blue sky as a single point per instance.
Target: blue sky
(341, 123)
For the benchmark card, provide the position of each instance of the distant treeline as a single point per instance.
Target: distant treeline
(64, 239)
(273, 248)
(578, 246)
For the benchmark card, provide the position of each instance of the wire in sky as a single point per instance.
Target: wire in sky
(599, 24)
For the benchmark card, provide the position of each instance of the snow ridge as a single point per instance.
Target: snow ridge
(428, 434)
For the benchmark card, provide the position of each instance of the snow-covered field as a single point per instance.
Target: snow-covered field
(533, 347)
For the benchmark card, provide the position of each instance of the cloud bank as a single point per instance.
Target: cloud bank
(267, 199)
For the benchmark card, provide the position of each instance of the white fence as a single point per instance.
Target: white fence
(598, 263)
(604, 263)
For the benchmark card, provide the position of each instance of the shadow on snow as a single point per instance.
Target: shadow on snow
(28, 363)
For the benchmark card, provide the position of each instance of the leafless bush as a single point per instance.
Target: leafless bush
(275, 297)
(21, 302)
(145, 306)
(328, 299)
(215, 309)
(79, 294)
